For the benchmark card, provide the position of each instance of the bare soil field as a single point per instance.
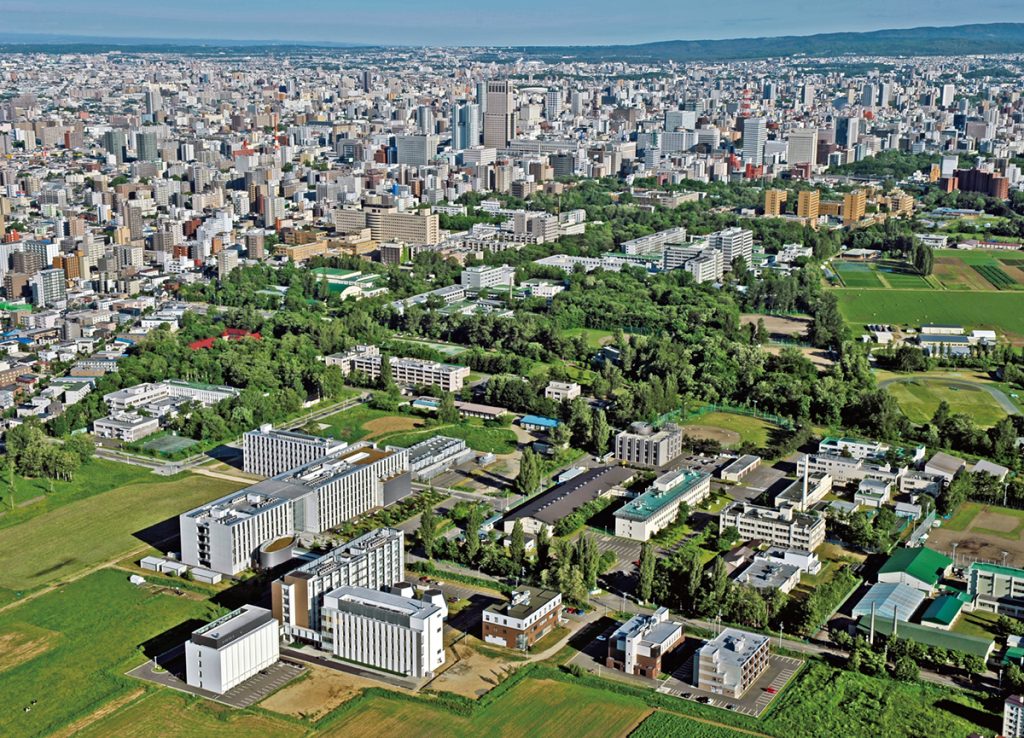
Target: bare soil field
(390, 424)
(24, 644)
(319, 693)
(956, 275)
(472, 673)
(994, 521)
(710, 433)
(972, 545)
(778, 326)
(818, 357)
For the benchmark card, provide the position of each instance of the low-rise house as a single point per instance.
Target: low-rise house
(562, 391)
(768, 575)
(740, 468)
(944, 465)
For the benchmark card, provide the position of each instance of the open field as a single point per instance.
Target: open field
(534, 707)
(919, 398)
(669, 725)
(953, 274)
(779, 326)
(980, 256)
(982, 532)
(977, 623)
(361, 423)
(856, 274)
(477, 437)
(97, 529)
(730, 429)
(22, 643)
(173, 715)
(317, 693)
(100, 622)
(473, 670)
(595, 337)
(1001, 311)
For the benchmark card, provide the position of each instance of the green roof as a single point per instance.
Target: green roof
(920, 563)
(1014, 655)
(930, 636)
(654, 500)
(943, 610)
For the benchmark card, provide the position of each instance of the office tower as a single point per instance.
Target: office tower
(808, 204)
(948, 93)
(154, 101)
(145, 146)
(254, 245)
(868, 95)
(499, 115)
(365, 80)
(807, 95)
(227, 260)
(768, 92)
(425, 119)
(27, 262)
(685, 119)
(848, 131)
(553, 103)
(48, 287)
(416, 151)
(803, 146)
(114, 142)
(884, 93)
(466, 131)
(481, 96)
(133, 219)
(754, 135)
(854, 206)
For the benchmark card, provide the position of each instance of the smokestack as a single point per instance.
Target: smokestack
(871, 633)
(803, 500)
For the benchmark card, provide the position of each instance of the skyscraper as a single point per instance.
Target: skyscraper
(754, 135)
(499, 115)
(145, 146)
(114, 142)
(553, 103)
(803, 146)
(466, 128)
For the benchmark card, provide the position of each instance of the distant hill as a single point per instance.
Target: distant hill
(987, 38)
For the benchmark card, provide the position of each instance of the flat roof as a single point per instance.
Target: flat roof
(524, 602)
(553, 505)
(382, 605)
(233, 626)
(735, 646)
(764, 574)
(1006, 571)
(653, 499)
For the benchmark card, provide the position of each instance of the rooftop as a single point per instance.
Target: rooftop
(654, 499)
(554, 504)
(228, 629)
(734, 646)
(921, 563)
(524, 602)
(889, 598)
(944, 610)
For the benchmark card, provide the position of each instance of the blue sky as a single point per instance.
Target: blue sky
(453, 22)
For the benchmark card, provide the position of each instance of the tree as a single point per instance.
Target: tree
(600, 433)
(560, 435)
(428, 531)
(648, 560)
(517, 544)
(473, 533)
(447, 413)
(528, 479)
(386, 380)
(905, 669)
(543, 549)
(827, 329)
(81, 446)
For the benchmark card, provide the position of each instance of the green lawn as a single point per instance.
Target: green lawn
(980, 257)
(919, 398)
(1001, 311)
(97, 529)
(754, 430)
(93, 478)
(857, 274)
(534, 707)
(828, 702)
(904, 280)
(977, 623)
(99, 624)
(478, 437)
(595, 337)
(963, 517)
(348, 424)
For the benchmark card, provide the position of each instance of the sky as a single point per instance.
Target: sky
(485, 22)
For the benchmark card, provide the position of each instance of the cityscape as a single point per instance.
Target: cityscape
(388, 372)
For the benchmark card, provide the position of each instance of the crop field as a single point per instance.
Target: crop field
(670, 725)
(980, 256)
(919, 398)
(96, 529)
(97, 623)
(533, 707)
(903, 278)
(995, 276)
(1000, 311)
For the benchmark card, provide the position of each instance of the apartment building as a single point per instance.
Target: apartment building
(231, 649)
(638, 646)
(407, 372)
(375, 560)
(706, 264)
(643, 445)
(385, 631)
(785, 527)
(484, 277)
(995, 588)
(1013, 717)
(268, 452)
(225, 535)
(528, 615)
(731, 662)
(657, 507)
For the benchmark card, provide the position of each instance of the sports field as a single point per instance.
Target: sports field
(1000, 311)
(735, 429)
(363, 422)
(96, 529)
(857, 274)
(919, 398)
(97, 625)
(982, 532)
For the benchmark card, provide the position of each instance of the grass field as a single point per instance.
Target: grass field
(828, 702)
(478, 437)
(93, 478)
(595, 337)
(901, 279)
(97, 529)
(919, 398)
(978, 623)
(360, 422)
(980, 256)
(100, 622)
(532, 708)
(750, 429)
(1001, 311)
(669, 725)
(857, 274)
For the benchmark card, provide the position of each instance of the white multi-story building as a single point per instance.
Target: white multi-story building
(562, 391)
(127, 427)
(226, 534)
(270, 452)
(484, 277)
(731, 662)
(658, 506)
(643, 445)
(375, 560)
(408, 372)
(783, 527)
(231, 649)
(385, 631)
(639, 645)
(1013, 717)
(152, 392)
(733, 243)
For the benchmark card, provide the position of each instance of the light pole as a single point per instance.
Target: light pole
(1005, 554)
(955, 544)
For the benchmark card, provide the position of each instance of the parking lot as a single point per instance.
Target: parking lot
(753, 702)
(170, 672)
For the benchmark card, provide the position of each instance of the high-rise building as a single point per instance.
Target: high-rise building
(145, 146)
(948, 95)
(868, 95)
(48, 287)
(499, 115)
(227, 260)
(734, 243)
(553, 103)
(854, 206)
(133, 219)
(114, 142)
(466, 128)
(808, 204)
(848, 131)
(416, 151)
(773, 201)
(754, 136)
(803, 146)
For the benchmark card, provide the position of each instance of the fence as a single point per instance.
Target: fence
(731, 409)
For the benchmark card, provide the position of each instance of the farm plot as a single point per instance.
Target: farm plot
(995, 276)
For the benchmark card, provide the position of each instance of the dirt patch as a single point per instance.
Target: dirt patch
(818, 357)
(380, 426)
(108, 709)
(319, 693)
(994, 521)
(24, 644)
(779, 326)
(1012, 268)
(955, 274)
(711, 433)
(974, 546)
(472, 673)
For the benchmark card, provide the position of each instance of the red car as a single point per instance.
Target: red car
(771, 690)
